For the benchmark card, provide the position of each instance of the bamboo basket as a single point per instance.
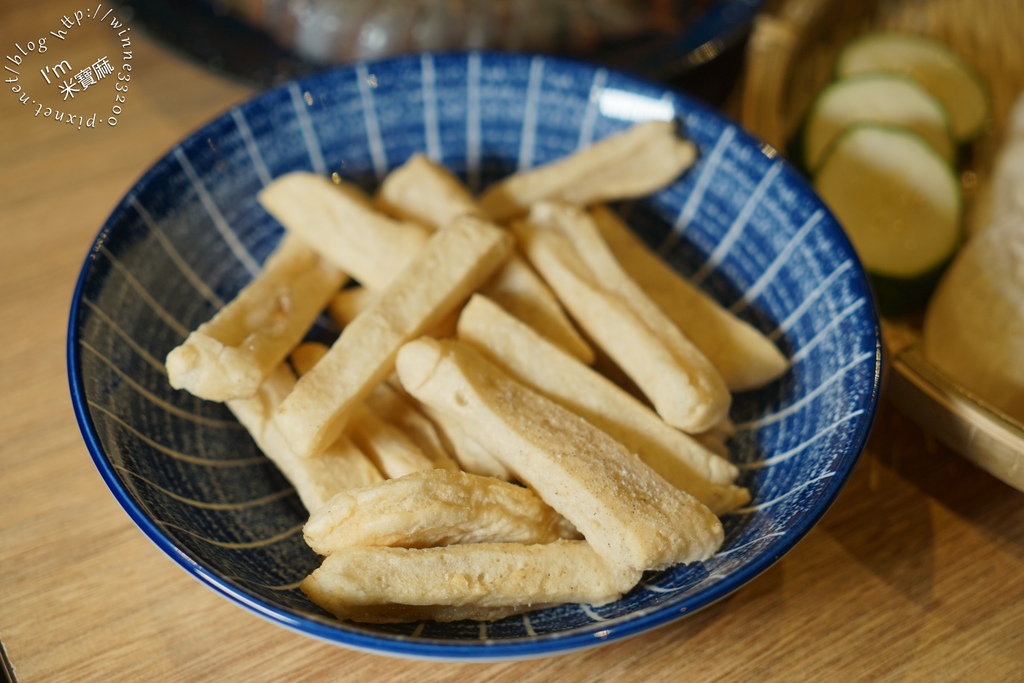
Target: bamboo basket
(791, 56)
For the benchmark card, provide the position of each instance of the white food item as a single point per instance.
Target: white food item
(629, 514)
(1006, 191)
(974, 326)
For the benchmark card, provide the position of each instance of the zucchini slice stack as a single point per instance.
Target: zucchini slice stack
(881, 144)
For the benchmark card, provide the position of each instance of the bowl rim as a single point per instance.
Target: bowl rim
(484, 650)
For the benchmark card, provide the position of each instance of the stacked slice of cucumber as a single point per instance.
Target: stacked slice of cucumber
(881, 144)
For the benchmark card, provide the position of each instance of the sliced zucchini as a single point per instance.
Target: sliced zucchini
(900, 205)
(934, 66)
(881, 98)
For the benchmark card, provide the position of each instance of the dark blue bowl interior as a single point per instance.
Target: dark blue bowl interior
(190, 235)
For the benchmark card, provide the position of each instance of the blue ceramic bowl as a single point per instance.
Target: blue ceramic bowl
(190, 234)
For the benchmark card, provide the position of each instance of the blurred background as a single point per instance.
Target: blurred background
(694, 44)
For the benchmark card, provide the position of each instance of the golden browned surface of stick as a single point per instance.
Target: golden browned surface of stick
(745, 357)
(230, 355)
(630, 515)
(691, 398)
(341, 466)
(431, 508)
(635, 162)
(340, 222)
(423, 191)
(452, 264)
(682, 460)
(353, 581)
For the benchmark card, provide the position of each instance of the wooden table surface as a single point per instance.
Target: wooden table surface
(916, 573)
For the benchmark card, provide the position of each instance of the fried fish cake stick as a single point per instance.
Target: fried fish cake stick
(579, 227)
(471, 456)
(341, 223)
(520, 352)
(521, 292)
(426, 192)
(635, 162)
(746, 358)
(390, 449)
(394, 453)
(432, 508)
(232, 354)
(306, 355)
(692, 396)
(415, 447)
(375, 583)
(515, 287)
(342, 466)
(397, 409)
(453, 263)
(630, 515)
(350, 302)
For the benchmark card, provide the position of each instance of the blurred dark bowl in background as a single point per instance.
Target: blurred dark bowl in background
(696, 45)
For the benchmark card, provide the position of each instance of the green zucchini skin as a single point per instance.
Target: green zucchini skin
(917, 110)
(898, 293)
(967, 126)
(903, 293)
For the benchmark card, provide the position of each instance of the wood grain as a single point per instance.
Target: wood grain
(915, 573)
